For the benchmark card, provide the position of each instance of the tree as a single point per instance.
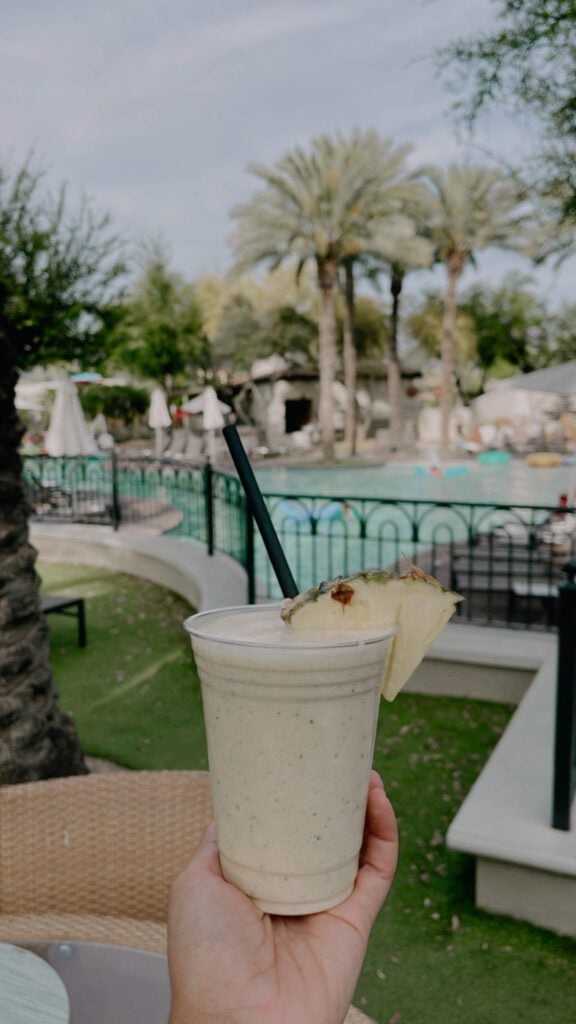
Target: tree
(512, 325)
(515, 329)
(237, 342)
(530, 60)
(397, 251)
(161, 336)
(499, 331)
(389, 191)
(371, 328)
(472, 207)
(59, 274)
(527, 63)
(562, 346)
(313, 207)
(288, 331)
(552, 233)
(242, 336)
(424, 325)
(122, 402)
(266, 292)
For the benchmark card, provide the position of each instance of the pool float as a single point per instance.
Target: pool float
(493, 458)
(438, 471)
(301, 513)
(544, 460)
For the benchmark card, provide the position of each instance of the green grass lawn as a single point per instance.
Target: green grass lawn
(433, 958)
(133, 690)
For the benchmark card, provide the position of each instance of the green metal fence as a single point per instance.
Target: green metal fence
(169, 496)
(505, 559)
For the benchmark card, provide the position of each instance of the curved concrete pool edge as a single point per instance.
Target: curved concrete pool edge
(206, 581)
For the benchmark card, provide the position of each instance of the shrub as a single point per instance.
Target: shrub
(124, 403)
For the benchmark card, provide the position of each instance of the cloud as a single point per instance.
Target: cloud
(155, 108)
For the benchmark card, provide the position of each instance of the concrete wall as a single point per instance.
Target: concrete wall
(524, 868)
(442, 678)
(528, 894)
(481, 663)
(206, 581)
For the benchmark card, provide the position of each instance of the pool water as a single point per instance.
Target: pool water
(514, 482)
(323, 538)
(338, 547)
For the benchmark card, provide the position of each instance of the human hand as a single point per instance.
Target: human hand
(232, 964)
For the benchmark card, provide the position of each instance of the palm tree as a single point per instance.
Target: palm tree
(317, 205)
(472, 207)
(350, 355)
(59, 298)
(424, 325)
(393, 191)
(398, 250)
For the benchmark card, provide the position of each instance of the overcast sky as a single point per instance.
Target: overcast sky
(154, 108)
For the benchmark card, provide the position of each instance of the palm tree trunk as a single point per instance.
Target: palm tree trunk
(459, 385)
(350, 360)
(37, 741)
(327, 270)
(454, 266)
(394, 375)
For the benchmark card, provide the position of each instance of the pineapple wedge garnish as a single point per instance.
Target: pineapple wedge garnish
(416, 604)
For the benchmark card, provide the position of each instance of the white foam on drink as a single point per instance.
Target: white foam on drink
(266, 627)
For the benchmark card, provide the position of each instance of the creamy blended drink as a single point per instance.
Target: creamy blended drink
(291, 722)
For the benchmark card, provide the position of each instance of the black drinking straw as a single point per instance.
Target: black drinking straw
(261, 514)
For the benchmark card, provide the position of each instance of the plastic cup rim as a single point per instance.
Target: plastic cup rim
(387, 633)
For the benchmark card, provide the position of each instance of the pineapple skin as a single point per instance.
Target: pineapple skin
(414, 634)
(290, 605)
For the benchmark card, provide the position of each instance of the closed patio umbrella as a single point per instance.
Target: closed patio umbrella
(213, 412)
(212, 409)
(68, 432)
(30, 395)
(159, 417)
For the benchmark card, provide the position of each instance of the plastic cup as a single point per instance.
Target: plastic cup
(291, 722)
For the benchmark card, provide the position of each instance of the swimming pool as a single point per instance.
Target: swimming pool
(331, 521)
(387, 513)
(514, 482)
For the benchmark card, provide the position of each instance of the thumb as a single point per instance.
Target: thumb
(205, 858)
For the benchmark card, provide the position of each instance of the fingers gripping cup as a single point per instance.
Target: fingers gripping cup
(291, 722)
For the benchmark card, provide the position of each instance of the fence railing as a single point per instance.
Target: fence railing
(160, 494)
(564, 781)
(506, 560)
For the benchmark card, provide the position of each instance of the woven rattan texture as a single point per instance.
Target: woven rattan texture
(116, 931)
(99, 844)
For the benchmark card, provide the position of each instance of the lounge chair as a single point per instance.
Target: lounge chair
(560, 530)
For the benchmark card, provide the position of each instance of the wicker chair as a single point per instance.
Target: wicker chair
(92, 858)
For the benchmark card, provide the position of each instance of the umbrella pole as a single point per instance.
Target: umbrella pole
(159, 441)
(210, 444)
